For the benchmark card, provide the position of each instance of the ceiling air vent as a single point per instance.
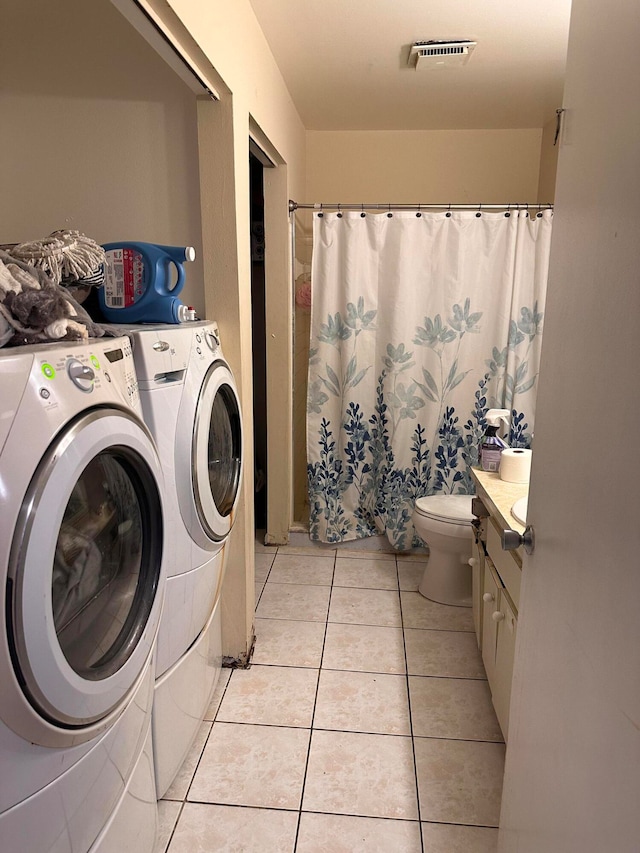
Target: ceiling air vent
(436, 54)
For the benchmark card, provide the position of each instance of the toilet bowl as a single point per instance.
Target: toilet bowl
(443, 522)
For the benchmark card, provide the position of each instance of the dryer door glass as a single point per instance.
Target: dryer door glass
(216, 457)
(224, 450)
(105, 573)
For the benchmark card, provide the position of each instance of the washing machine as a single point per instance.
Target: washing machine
(81, 548)
(190, 403)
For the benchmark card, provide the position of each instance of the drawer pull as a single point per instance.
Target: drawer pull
(497, 616)
(488, 597)
(472, 561)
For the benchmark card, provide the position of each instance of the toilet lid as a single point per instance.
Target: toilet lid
(456, 509)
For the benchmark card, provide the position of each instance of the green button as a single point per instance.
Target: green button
(95, 362)
(48, 370)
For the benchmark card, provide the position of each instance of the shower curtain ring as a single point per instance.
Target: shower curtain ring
(321, 214)
(339, 213)
(389, 214)
(448, 213)
(362, 214)
(508, 211)
(418, 214)
(479, 213)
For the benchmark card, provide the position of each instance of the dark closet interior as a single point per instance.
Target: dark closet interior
(258, 317)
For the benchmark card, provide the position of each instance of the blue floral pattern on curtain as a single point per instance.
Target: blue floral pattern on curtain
(419, 326)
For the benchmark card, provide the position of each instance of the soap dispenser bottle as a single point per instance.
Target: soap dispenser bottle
(492, 445)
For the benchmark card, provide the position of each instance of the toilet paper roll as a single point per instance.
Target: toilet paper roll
(515, 465)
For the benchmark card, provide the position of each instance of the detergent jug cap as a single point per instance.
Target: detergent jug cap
(182, 313)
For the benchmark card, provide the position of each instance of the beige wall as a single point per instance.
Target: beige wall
(439, 166)
(548, 164)
(229, 36)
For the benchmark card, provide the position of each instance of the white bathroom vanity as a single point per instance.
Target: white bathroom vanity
(496, 584)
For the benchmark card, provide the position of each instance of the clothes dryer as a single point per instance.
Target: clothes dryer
(81, 588)
(190, 403)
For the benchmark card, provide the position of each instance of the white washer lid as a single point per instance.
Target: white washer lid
(456, 509)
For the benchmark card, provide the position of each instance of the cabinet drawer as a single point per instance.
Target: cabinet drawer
(507, 563)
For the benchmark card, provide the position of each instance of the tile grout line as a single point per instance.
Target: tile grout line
(413, 740)
(175, 826)
(313, 728)
(186, 795)
(347, 731)
(313, 712)
(204, 746)
(183, 801)
(264, 585)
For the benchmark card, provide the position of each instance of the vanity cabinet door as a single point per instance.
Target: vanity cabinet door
(506, 622)
(490, 601)
(499, 625)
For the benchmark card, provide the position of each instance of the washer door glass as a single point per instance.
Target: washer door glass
(102, 585)
(217, 452)
(85, 574)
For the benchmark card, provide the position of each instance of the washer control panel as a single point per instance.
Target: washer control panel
(207, 341)
(212, 339)
(103, 368)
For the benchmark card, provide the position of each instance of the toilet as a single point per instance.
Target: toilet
(443, 522)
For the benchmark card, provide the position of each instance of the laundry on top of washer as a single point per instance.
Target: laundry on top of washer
(34, 308)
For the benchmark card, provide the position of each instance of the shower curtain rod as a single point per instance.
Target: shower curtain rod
(293, 206)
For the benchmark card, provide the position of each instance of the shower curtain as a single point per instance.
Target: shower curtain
(420, 323)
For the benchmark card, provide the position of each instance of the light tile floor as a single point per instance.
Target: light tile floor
(364, 723)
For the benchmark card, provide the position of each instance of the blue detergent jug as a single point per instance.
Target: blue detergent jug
(139, 284)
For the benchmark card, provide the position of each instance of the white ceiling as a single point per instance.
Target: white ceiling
(345, 62)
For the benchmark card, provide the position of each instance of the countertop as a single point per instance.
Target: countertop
(499, 496)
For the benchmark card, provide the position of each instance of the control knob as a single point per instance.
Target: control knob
(213, 341)
(81, 375)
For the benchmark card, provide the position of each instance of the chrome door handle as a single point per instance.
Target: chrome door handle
(511, 539)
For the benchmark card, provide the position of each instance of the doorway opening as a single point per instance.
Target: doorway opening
(259, 339)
